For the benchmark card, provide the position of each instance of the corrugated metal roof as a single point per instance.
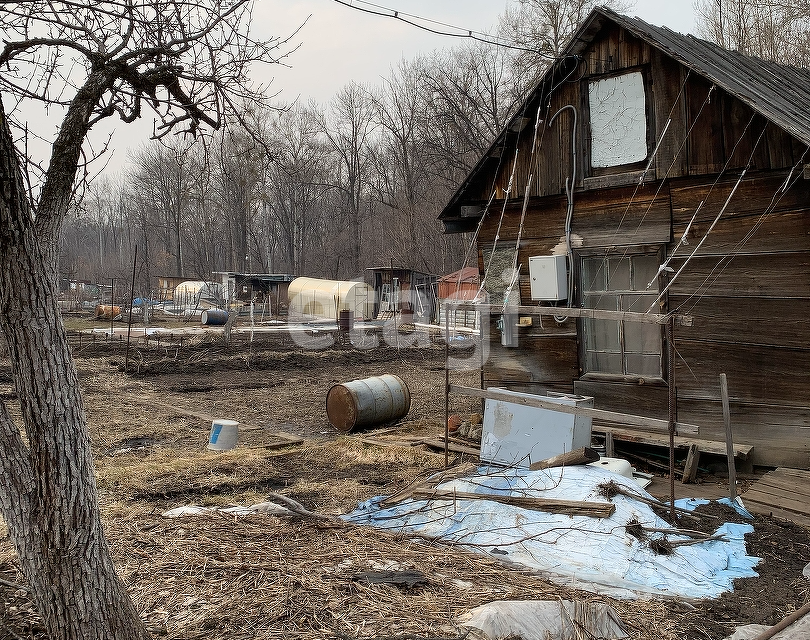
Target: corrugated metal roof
(779, 93)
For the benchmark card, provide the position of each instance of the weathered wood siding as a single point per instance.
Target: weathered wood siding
(747, 287)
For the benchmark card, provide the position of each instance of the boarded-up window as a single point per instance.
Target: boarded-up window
(618, 114)
(620, 284)
(499, 273)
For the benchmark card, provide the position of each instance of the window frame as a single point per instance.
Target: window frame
(584, 374)
(631, 170)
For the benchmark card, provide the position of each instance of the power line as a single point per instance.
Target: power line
(411, 19)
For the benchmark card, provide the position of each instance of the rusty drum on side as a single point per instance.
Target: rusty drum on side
(367, 402)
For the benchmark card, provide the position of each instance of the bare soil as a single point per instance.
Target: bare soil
(271, 577)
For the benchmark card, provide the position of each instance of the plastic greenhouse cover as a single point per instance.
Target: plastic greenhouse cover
(592, 553)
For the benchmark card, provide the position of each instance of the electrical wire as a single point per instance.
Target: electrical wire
(409, 18)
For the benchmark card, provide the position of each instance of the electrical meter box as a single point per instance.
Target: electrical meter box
(515, 434)
(549, 277)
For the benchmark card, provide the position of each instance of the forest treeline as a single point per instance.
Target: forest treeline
(330, 190)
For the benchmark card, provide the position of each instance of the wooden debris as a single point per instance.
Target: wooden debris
(583, 455)
(690, 468)
(568, 507)
(438, 443)
(783, 493)
(408, 579)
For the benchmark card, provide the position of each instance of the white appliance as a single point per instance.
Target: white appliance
(517, 435)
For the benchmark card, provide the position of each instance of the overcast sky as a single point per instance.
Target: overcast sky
(338, 44)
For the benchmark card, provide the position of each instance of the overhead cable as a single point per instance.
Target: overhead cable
(411, 19)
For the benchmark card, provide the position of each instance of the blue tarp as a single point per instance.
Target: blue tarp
(594, 552)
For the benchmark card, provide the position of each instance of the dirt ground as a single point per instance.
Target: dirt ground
(265, 576)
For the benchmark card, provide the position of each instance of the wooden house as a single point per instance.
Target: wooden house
(673, 176)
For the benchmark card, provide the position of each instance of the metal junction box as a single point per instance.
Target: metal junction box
(517, 435)
(549, 277)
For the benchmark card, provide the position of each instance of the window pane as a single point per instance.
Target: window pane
(602, 335)
(604, 362)
(643, 365)
(618, 120)
(640, 337)
(593, 274)
(645, 269)
(618, 275)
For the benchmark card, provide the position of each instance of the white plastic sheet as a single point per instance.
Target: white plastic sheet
(544, 620)
(596, 553)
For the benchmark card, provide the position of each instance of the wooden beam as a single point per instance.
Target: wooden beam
(552, 505)
(741, 451)
(577, 312)
(609, 416)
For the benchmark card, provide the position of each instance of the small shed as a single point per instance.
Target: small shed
(268, 290)
(460, 286)
(313, 297)
(399, 289)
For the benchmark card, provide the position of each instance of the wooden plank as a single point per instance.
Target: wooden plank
(780, 374)
(575, 312)
(741, 451)
(776, 488)
(438, 443)
(620, 222)
(796, 473)
(769, 510)
(608, 416)
(773, 322)
(552, 505)
(771, 276)
(732, 469)
(704, 143)
(690, 467)
(648, 400)
(784, 502)
(748, 235)
(534, 359)
(753, 196)
(667, 79)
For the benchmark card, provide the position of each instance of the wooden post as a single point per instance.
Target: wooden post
(129, 322)
(732, 470)
(691, 466)
(447, 387)
(670, 331)
(610, 447)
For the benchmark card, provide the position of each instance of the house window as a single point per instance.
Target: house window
(614, 346)
(618, 115)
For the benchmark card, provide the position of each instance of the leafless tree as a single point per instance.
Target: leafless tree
(349, 126)
(776, 30)
(543, 28)
(187, 61)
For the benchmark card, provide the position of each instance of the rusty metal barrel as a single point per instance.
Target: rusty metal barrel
(368, 402)
(346, 320)
(214, 317)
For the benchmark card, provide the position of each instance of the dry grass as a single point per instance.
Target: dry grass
(216, 577)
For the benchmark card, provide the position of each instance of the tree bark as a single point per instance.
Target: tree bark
(48, 494)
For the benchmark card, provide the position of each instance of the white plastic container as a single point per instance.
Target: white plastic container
(224, 434)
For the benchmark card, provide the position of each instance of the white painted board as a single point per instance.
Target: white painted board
(517, 435)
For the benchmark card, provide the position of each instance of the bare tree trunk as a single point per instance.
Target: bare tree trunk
(48, 494)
